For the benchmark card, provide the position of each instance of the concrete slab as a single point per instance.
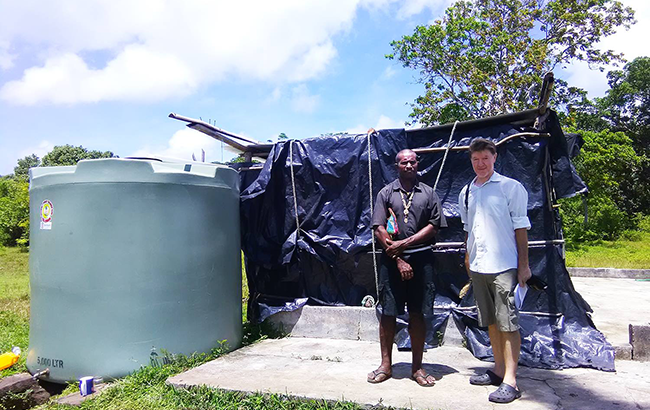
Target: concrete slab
(75, 399)
(335, 369)
(617, 303)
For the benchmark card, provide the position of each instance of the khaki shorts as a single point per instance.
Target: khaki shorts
(495, 299)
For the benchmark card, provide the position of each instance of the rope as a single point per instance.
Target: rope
(293, 187)
(372, 234)
(444, 159)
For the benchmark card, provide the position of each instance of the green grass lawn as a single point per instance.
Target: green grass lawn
(621, 254)
(14, 304)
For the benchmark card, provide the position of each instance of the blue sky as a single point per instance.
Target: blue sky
(106, 73)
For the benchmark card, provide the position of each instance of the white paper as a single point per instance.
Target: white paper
(520, 295)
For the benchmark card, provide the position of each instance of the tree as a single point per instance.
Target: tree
(14, 212)
(21, 171)
(241, 159)
(607, 163)
(70, 155)
(282, 136)
(485, 57)
(624, 108)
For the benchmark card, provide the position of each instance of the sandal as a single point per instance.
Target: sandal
(486, 379)
(375, 376)
(423, 379)
(504, 394)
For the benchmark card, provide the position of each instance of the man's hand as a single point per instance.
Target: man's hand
(404, 269)
(395, 248)
(523, 274)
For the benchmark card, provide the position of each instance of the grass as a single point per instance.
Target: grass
(14, 305)
(632, 253)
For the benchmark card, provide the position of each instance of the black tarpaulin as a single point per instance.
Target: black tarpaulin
(325, 254)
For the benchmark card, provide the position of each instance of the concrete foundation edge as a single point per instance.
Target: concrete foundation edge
(640, 342)
(610, 273)
(360, 323)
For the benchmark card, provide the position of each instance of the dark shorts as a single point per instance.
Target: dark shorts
(418, 292)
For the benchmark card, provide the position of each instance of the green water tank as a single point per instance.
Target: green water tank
(130, 258)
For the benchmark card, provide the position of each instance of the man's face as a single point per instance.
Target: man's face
(407, 167)
(483, 163)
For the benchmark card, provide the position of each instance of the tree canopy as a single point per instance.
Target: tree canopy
(485, 57)
(70, 155)
(21, 171)
(624, 108)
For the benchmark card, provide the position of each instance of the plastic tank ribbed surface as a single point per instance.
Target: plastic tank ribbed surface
(135, 256)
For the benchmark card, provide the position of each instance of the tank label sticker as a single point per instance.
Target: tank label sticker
(47, 211)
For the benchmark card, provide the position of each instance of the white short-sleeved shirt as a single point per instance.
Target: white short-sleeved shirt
(495, 209)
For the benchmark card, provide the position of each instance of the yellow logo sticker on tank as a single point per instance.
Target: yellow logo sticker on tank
(46, 214)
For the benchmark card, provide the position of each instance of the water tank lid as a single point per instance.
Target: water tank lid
(117, 170)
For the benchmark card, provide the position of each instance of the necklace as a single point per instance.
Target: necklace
(406, 204)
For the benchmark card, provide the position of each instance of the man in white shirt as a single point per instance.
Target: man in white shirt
(493, 210)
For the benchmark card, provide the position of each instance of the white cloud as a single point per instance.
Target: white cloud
(592, 80)
(383, 123)
(40, 150)
(313, 63)
(183, 144)
(412, 7)
(388, 73)
(302, 100)
(134, 75)
(157, 49)
(275, 95)
(97, 50)
(6, 58)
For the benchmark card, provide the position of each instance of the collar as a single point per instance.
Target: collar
(496, 177)
(396, 186)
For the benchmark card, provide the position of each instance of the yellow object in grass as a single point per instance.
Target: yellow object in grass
(10, 358)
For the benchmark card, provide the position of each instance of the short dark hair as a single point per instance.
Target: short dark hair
(397, 157)
(481, 144)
